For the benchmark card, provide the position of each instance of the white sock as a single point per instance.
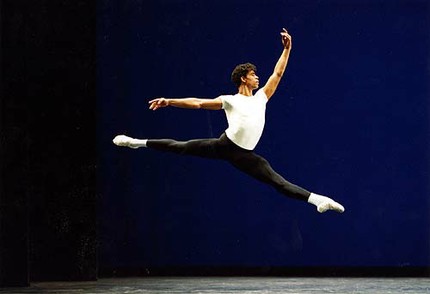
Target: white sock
(125, 141)
(324, 203)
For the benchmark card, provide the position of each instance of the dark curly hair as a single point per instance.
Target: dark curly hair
(241, 70)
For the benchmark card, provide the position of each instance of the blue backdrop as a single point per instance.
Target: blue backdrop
(350, 120)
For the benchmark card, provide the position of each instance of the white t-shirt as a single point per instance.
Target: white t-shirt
(246, 117)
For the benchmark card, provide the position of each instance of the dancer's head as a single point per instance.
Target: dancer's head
(243, 73)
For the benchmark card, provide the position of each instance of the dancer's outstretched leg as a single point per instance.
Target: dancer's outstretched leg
(206, 148)
(259, 168)
(200, 147)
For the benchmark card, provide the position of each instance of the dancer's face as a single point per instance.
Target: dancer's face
(251, 79)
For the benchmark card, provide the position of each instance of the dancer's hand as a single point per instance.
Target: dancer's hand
(286, 39)
(158, 103)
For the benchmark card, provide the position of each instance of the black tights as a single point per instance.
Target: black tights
(244, 160)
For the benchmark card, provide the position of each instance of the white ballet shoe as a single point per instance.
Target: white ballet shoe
(124, 141)
(330, 205)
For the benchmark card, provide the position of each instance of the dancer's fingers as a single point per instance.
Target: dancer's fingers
(153, 100)
(153, 105)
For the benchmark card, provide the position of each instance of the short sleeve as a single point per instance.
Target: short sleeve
(261, 95)
(225, 99)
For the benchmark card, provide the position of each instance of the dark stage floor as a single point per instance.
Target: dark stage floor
(221, 285)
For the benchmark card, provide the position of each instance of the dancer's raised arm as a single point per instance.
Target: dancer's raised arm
(280, 66)
(191, 103)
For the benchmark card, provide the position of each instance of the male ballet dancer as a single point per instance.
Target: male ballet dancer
(246, 116)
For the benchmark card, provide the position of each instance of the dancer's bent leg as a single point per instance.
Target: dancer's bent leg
(259, 168)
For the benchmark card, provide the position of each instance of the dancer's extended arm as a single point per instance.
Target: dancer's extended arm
(280, 66)
(191, 103)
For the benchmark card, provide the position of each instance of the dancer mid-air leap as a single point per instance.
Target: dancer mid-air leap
(246, 116)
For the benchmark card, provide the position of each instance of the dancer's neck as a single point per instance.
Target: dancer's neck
(244, 90)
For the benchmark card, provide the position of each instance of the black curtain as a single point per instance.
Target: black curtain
(48, 141)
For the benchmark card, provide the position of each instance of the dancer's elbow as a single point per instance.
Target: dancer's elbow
(198, 104)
